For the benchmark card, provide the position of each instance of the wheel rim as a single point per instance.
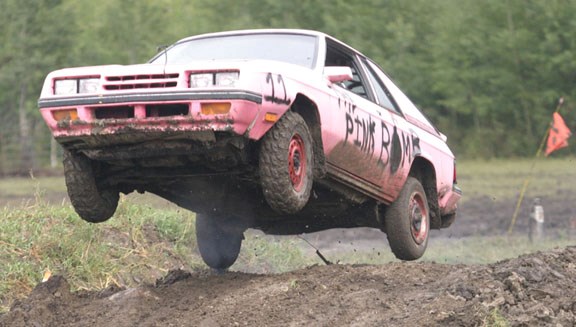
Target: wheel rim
(418, 218)
(297, 162)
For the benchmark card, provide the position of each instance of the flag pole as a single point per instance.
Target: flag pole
(531, 171)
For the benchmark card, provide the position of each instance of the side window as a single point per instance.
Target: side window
(339, 57)
(382, 94)
(355, 85)
(402, 100)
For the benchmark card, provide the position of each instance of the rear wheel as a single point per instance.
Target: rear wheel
(407, 222)
(219, 242)
(285, 167)
(92, 203)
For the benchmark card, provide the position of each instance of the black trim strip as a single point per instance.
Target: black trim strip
(151, 97)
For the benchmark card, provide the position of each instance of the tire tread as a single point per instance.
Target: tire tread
(91, 203)
(397, 223)
(273, 164)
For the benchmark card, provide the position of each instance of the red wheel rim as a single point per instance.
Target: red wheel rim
(418, 218)
(297, 162)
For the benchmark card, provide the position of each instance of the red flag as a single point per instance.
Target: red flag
(558, 136)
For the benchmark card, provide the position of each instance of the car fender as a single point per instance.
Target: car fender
(279, 92)
(443, 165)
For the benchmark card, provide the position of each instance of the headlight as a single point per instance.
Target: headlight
(88, 85)
(76, 85)
(65, 86)
(227, 78)
(223, 79)
(201, 80)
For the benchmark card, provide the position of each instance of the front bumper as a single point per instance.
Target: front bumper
(91, 100)
(103, 116)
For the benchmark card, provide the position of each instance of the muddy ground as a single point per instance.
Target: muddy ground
(533, 290)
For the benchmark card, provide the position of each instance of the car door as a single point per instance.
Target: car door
(404, 140)
(364, 134)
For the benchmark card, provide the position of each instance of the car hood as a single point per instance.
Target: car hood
(158, 68)
(180, 71)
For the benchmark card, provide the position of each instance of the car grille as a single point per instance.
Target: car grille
(130, 82)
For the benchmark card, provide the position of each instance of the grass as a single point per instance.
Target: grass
(503, 179)
(484, 250)
(469, 250)
(26, 187)
(139, 244)
(40, 233)
(495, 319)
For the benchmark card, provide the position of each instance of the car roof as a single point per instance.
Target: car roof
(254, 31)
(270, 31)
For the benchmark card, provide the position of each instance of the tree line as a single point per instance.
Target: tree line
(487, 73)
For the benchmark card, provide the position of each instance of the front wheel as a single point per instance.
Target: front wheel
(92, 203)
(407, 222)
(285, 166)
(219, 242)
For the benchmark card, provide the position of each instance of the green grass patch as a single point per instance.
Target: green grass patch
(504, 178)
(28, 187)
(484, 250)
(495, 319)
(139, 244)
(468, 250)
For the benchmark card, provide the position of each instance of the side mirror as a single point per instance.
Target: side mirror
(338, 74)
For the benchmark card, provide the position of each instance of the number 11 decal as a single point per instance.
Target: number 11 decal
(273, 97)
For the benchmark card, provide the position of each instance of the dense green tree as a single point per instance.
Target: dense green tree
(498, 72)
(36, 36)
(488, 73)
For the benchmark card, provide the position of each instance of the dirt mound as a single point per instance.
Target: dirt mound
(537, 289)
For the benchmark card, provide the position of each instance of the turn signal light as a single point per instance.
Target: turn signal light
(271, 117)
(60, 115)
(219, 108)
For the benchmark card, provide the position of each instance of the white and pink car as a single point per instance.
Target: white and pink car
(286, 131)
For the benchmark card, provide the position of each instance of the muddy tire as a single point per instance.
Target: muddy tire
(407, 222)
(92, 203)
(219, 242)
(285, 167)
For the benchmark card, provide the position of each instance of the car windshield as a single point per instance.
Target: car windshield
(290, 48)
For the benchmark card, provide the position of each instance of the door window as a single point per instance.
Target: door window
(337, 56)
(383, 97)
